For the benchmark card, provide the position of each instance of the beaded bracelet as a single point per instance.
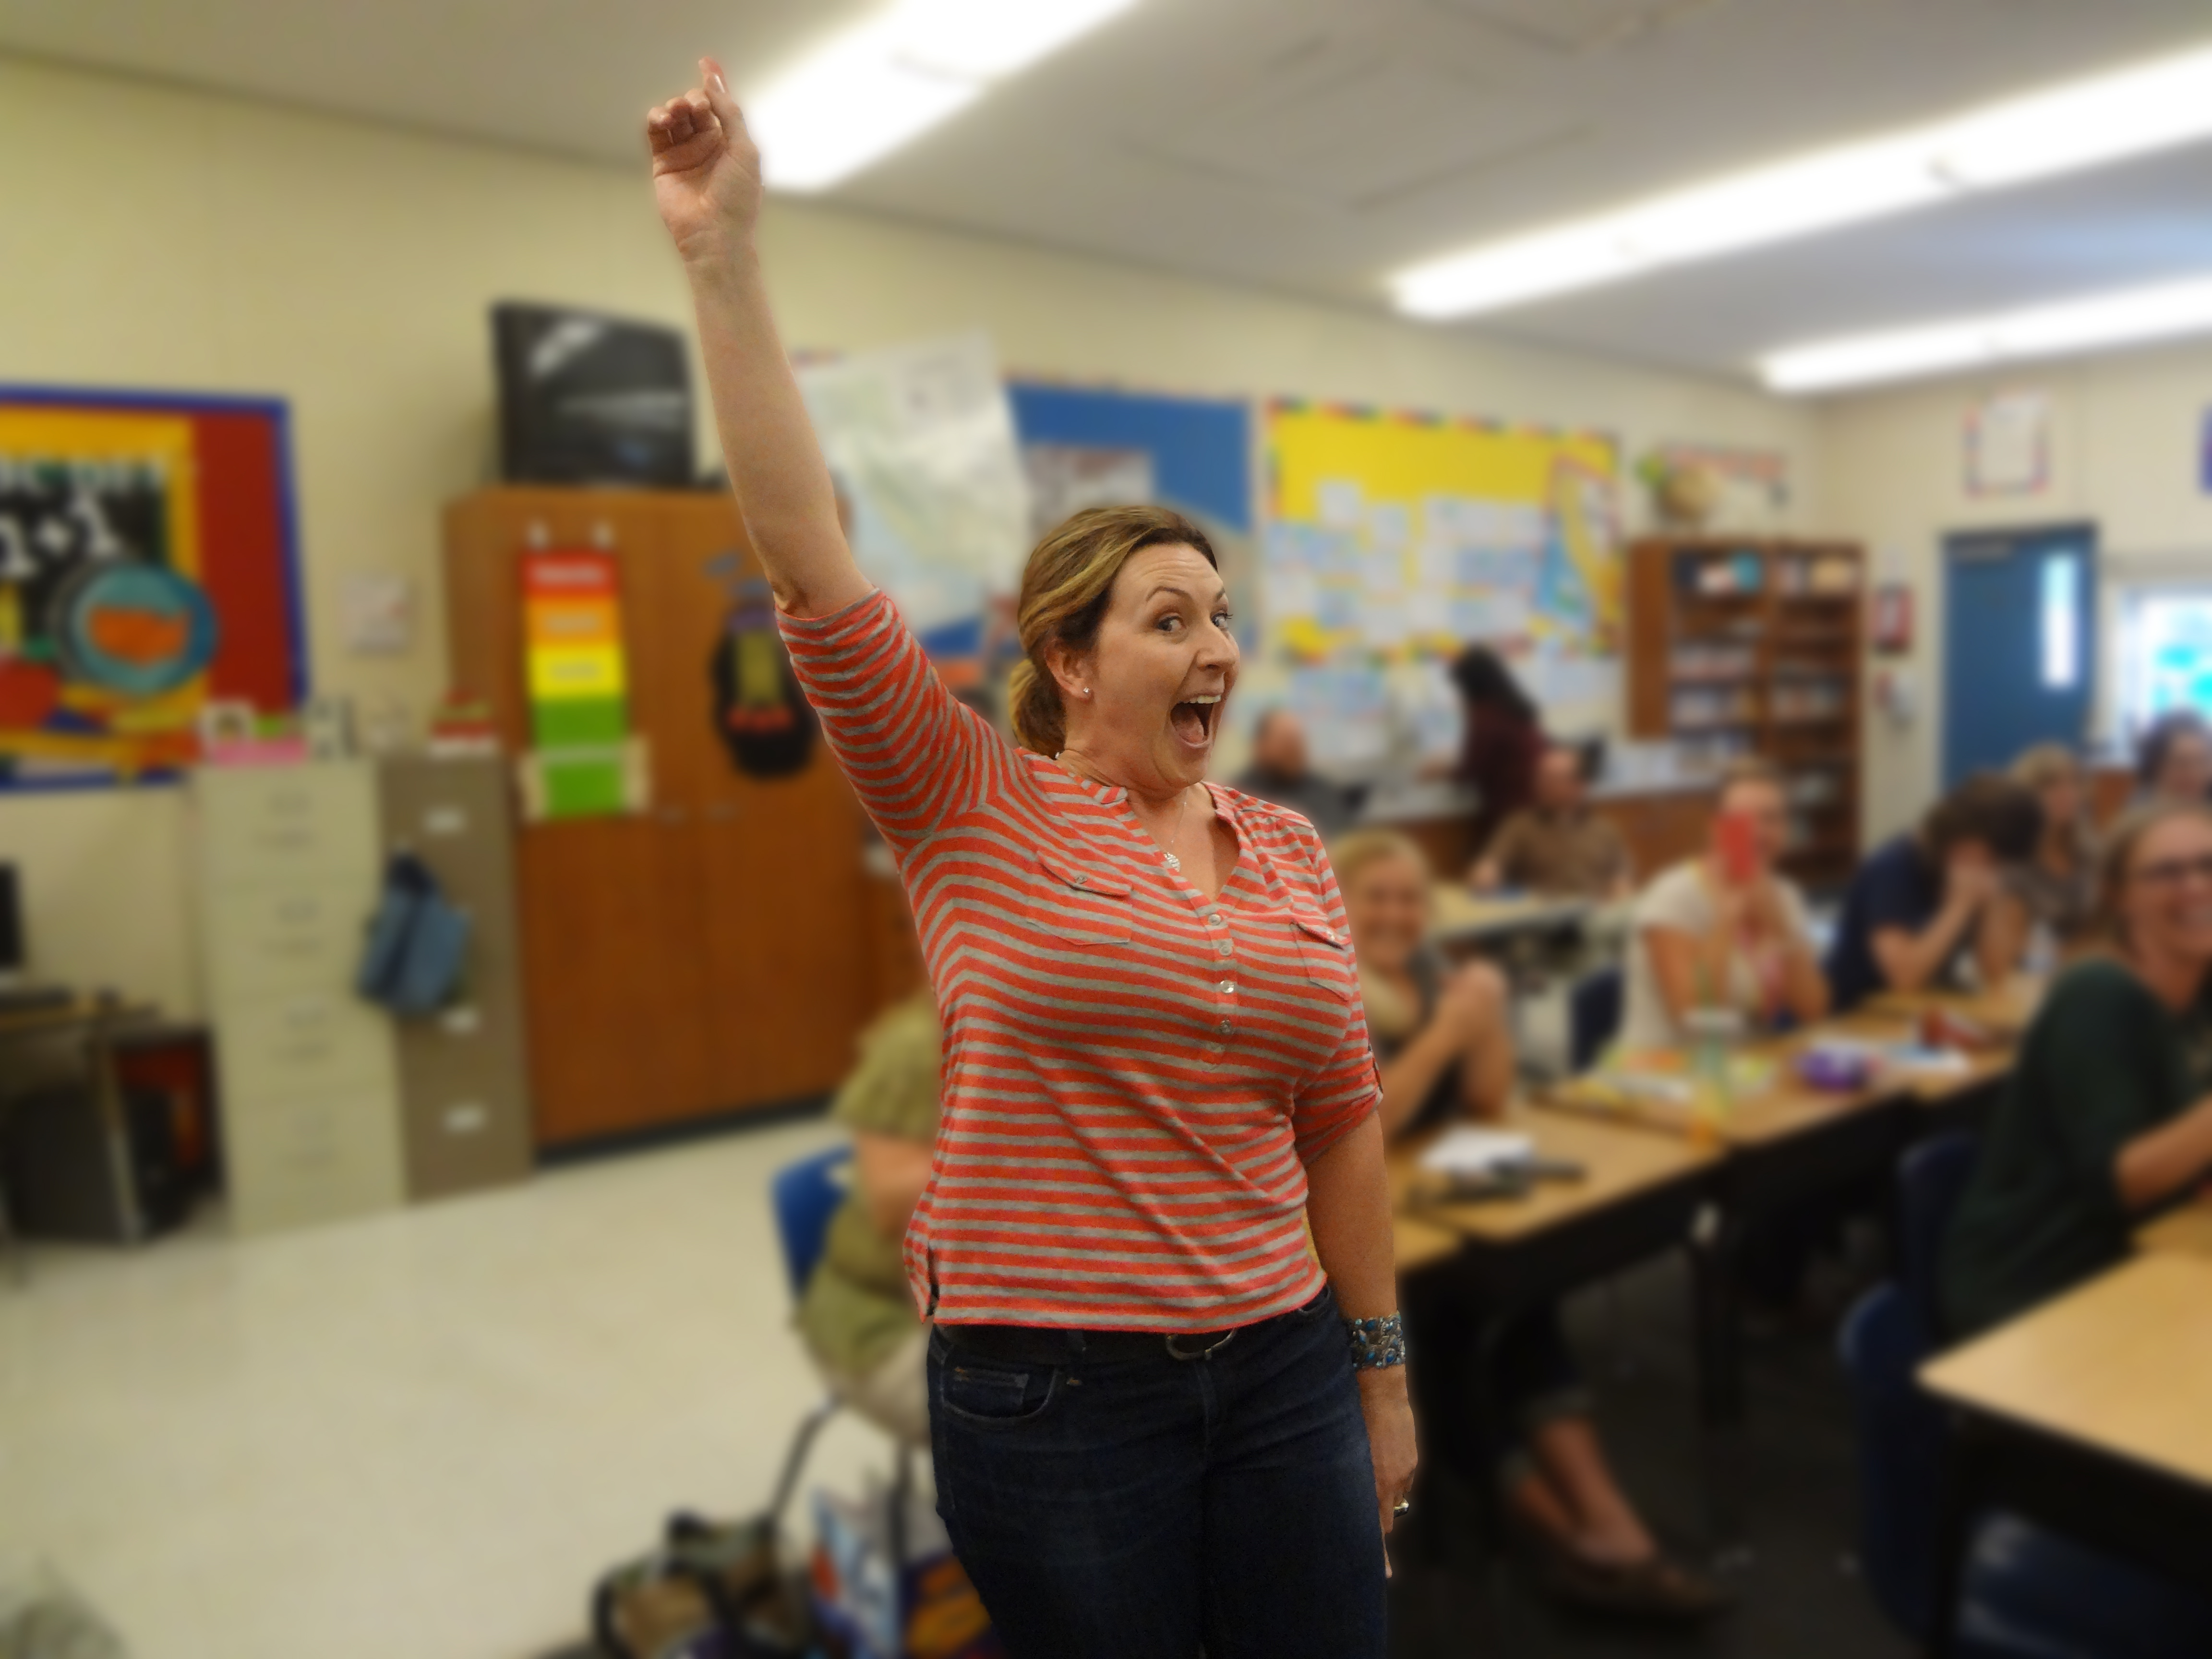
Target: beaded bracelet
(1376, 1343)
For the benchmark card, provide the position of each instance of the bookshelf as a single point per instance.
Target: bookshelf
(1755, 645)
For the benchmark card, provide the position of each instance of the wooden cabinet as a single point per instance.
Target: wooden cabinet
(708, 954)
(1744, 646)
(1661, 827)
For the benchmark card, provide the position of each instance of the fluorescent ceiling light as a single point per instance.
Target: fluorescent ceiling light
(885, 82)
(2081, 124)
(2126, 316)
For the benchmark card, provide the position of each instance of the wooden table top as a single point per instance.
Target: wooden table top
(1782, 1107)
(1618, 1161)
(2004, 1011)
(33, 1022)
(1456, 914)
(2122, 1366)
(1983, 1066)
(2186, 1231)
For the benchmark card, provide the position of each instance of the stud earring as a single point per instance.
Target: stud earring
(1086, 691)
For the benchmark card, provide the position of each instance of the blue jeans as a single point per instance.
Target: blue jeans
(1133, 1509)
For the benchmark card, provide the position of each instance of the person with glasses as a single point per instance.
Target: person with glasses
(2108, 1117)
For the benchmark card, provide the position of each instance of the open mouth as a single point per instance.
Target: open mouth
(1193, 719)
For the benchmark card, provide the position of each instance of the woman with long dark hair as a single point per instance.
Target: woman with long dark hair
(1501, 743)
(1160, 1418)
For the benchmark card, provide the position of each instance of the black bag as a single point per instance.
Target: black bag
(708, 1592)
(764, 716)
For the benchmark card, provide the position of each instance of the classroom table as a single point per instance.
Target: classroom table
(95, 1020)
(1636, 1197)
(2087, 1415)
(1460, 918)
(2005, 1010)
(2186, 1231)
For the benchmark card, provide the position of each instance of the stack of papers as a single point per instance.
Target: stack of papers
(1469, 1151)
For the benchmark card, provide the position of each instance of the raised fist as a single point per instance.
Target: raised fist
(706, 172)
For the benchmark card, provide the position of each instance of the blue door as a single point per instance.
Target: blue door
(2020, 610)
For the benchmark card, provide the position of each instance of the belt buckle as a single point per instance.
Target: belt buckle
(1205, 1352)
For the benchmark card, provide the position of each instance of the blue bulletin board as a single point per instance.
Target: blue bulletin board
(1200, 448)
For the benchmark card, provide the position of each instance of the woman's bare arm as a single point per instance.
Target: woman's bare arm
(892, 1172)
(706, 180)
(2157, 1164)
(1348, 1203)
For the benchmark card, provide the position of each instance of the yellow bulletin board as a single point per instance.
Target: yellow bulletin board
(1396, 536)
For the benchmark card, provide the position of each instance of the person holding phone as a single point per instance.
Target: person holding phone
(1725, 930)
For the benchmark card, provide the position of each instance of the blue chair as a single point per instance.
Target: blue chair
(806, 1195)
(1594, 1012)
(1930, 1181)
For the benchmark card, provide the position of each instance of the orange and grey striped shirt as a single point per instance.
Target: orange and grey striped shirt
(1135, 1075)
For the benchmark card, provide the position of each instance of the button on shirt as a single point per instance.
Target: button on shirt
(1125, 1126)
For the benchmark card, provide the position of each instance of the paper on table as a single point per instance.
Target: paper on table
(1475, 1151)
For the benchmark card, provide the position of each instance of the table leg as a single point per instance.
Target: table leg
(107, 1103)
(1713, 1318)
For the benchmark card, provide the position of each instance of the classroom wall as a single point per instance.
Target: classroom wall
(2126, 437)
(213, 244)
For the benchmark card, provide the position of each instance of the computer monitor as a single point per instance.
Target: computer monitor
(11, 927)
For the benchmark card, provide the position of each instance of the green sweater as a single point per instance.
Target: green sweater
(857, 1308)
(2104, 1062)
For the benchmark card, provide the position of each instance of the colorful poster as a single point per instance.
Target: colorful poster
(577, 681)
(146, 566)
(1395, 540)
(1100, 446)
(920, 443)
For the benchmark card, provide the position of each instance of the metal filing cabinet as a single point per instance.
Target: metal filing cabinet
(463, 1081)
(289, 867)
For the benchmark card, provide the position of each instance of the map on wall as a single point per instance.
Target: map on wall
(1395, 540)
(145, 566)
(920, 443)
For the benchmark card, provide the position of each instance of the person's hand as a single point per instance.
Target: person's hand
(706, 172)
(1384, 1402)
(1970, 883)
(1468, 1004)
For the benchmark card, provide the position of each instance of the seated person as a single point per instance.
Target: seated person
(1279, 773)
(2173, 761)
(857, 1315)
(1445, 1053)
(2055, 887)
(1724, 929)
(2108, 1115)
(1913, 915)
(2105, 1120)
(1558, 846)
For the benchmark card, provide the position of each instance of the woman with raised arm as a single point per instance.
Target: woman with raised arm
(1157, 1420)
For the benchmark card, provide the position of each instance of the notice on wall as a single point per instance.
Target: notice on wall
(577, 683)
(1396, 540)
(920, 441)
(2008, 444)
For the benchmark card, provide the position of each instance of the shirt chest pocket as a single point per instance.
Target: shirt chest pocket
(1325, 953)
(1080, 903)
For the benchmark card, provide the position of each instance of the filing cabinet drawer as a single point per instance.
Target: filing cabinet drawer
(266, 940)
(305, 1042)
(282, 824)
(296, 1159)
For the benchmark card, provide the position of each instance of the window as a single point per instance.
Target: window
(2165, 657)
(2062, 621)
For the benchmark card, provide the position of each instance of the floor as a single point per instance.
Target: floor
(419, 1435)
(422, 1437)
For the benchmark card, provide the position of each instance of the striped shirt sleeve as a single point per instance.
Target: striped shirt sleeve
(916, 755)
(1345, 1090)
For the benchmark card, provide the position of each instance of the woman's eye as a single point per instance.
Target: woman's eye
(1170, 623)
(1222, 618)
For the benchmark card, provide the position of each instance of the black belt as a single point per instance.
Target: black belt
(1047, 1345)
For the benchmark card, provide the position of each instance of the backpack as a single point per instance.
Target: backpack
(708, 1592)
(417, 941)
